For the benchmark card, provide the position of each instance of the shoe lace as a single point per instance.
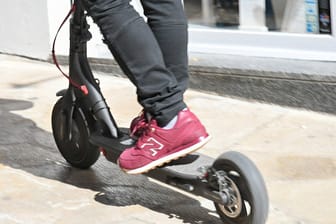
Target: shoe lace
(140, 127)
(146, 129)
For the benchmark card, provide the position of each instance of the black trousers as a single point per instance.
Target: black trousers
(152, 54)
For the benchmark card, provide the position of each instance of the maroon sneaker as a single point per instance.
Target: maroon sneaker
(157, 146)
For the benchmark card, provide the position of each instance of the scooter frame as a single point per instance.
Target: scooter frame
(112, 139)
(194, 173)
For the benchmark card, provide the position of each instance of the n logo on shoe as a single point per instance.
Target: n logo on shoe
(154, 145)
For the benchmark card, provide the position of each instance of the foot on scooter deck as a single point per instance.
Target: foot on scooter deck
(112, 148)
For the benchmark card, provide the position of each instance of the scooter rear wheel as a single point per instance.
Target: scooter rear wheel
(249, 200)
(76, 149)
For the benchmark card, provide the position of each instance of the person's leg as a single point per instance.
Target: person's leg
(169, 24)
(184, 133)
(138, 53)
(136, 49)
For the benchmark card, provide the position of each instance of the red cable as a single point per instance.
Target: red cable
(82, 88)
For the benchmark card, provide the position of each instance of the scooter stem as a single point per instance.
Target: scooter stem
(80, 72)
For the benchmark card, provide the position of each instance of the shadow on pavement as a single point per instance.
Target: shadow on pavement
(25, 146)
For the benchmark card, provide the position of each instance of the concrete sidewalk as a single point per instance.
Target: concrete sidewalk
(294, 149)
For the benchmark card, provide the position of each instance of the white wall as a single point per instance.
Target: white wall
(57, 10)
(24, 28)
(28, 27)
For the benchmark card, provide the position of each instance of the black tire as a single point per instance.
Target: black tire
(248, 181)
(77, 151)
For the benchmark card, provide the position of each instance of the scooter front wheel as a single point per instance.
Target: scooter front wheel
(72, 139)
(239, 180)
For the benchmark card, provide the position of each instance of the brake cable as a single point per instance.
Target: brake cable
(82, 88)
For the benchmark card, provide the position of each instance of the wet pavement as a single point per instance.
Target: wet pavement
(294, 149)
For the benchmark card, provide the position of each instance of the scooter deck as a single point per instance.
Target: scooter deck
(186, 167)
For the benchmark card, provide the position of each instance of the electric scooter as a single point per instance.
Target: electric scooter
(84, 128)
